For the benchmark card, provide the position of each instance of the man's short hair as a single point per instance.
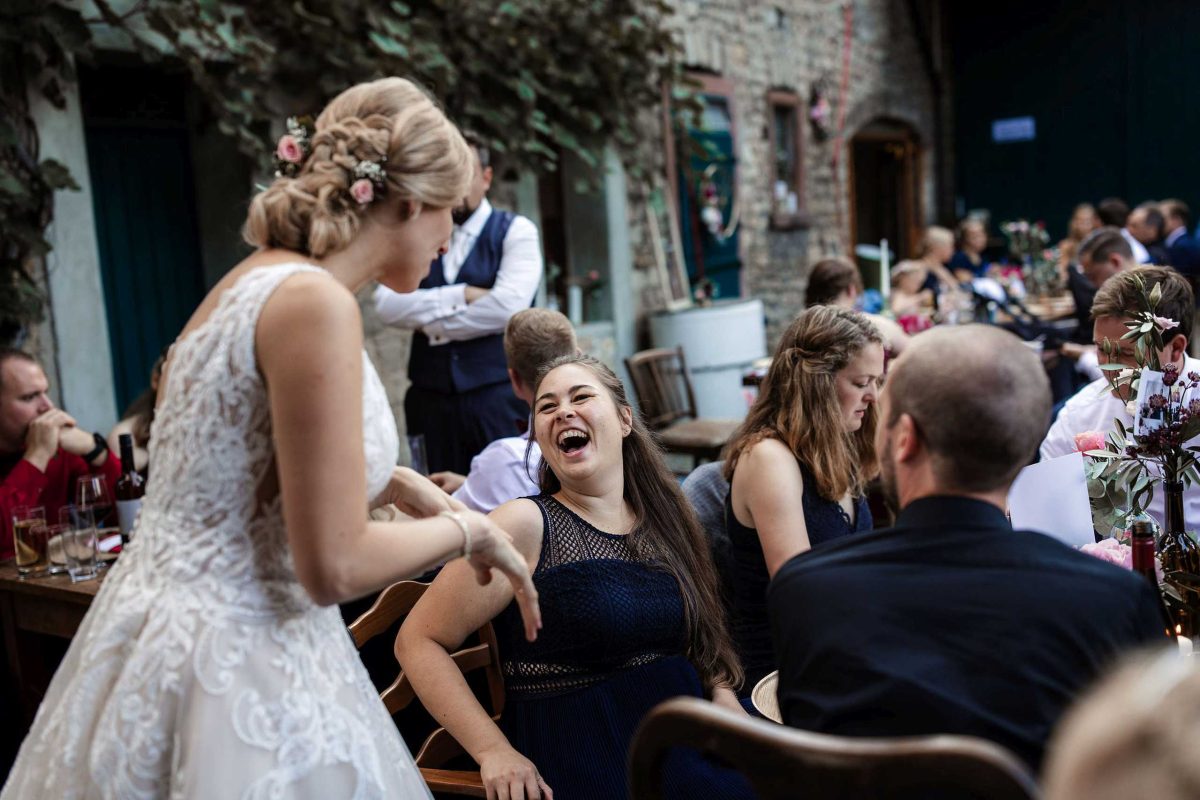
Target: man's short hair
(980, 400)
(1113, 211)
(481, 148)
(1154, 217)
(1177, 208)
(1101, 243)
(828, 278)
(535, 337)
(13, 354)
(1120, 297)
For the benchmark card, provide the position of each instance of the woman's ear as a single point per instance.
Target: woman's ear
(626, 421)
(409, 210)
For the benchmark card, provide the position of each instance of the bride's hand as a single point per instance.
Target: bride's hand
(416, 495)
(492, 549)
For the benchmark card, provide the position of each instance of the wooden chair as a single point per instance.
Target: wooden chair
(440, 747)
(783, 762)
(668, 405)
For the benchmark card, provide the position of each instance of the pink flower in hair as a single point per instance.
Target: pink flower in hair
(1089, 440)
(289, 149)
(362, 191)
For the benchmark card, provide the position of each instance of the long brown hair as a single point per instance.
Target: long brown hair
(798, 402)
(666, 532)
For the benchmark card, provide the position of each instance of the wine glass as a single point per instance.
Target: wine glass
(95, 503)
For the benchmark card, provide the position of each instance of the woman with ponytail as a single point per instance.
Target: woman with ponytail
(799, 465)
(629, 597)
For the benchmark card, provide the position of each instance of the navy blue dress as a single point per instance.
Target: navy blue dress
(611, 648)
(825, 521)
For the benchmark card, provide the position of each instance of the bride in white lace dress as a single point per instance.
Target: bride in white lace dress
(214, 663)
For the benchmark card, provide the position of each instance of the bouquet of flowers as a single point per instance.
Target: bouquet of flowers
(1027, 243)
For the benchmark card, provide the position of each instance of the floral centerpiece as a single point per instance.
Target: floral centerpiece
(1028, 244)
(1125, 466)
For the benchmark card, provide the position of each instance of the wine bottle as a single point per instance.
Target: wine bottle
(130, 488)
(1141, 540)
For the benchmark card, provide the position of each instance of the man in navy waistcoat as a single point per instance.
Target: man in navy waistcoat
(460, 397)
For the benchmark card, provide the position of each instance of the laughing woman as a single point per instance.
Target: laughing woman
(799, 465)
(629, 605)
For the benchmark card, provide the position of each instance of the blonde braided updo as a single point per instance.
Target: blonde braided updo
(390, 121)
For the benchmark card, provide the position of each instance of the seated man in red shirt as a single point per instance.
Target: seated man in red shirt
(42, 451)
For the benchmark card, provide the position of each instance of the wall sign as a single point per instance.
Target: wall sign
(1014, 129)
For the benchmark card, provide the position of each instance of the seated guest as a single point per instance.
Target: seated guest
(1183, 251)
(837, 282)
(968, 261)
(951, 621)
(504, 470)
(42, 451)
(137, 419)
(629, 601)
(1114, 212)
(799, 465)
(1146, 223)
(1083, 221)
(705, 489)
(1102, 254)
(1093, 408)
(911, 294)
(1133, 735)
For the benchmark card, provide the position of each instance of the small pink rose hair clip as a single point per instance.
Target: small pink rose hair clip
(293, 147)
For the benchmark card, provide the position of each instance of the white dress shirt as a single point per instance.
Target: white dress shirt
(498, 475)
(1140, 254)
(1094, 408)
(443, 313)
(1174, 235)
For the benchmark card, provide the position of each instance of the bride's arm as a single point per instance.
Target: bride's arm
(309, 349)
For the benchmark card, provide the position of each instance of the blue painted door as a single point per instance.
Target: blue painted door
(707, 154)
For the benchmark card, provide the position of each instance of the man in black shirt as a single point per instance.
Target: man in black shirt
(951, 622)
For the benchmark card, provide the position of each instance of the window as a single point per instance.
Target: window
(784, 131)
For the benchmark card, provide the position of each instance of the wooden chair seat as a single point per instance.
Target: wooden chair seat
(439, 747)
(667, 403)
(782, 762)
(698, 437)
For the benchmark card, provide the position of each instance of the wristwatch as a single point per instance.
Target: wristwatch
(101, 447)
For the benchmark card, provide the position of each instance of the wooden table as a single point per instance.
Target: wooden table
(33, 613)
(1050, 309)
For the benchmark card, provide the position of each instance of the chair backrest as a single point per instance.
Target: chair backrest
(393, 604)
(662, 385)
(783, 762)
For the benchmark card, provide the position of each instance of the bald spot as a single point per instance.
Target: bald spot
(981, 401)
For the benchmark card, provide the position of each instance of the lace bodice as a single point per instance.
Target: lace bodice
(203, 669)
(212, 517)
(604, 610)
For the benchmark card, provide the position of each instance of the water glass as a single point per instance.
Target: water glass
(416, 453)
(79, 550)
(29, 539)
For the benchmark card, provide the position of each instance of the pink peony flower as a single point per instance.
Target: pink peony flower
(1165, 323)
(289, 149)
(1089, 440)
(362, 191)
(1112, 551)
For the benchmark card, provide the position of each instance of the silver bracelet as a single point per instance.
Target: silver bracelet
(463, 526)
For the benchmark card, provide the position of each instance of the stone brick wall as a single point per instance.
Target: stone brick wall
(789, 46)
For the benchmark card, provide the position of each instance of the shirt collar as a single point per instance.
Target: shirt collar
(951, 510)
(479, 217)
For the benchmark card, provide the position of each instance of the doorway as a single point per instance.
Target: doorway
(885, 174)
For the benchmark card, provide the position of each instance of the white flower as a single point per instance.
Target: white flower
(1131, 408)
(1165, 323)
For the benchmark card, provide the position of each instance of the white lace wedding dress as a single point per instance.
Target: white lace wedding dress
(203, 669)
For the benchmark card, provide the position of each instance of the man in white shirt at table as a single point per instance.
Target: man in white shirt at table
(460, 398)
(1095, 407)
(508, 468)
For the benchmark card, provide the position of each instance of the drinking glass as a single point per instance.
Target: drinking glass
(416, 449)
(79, 550)
(29, 539)
(95, 501)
